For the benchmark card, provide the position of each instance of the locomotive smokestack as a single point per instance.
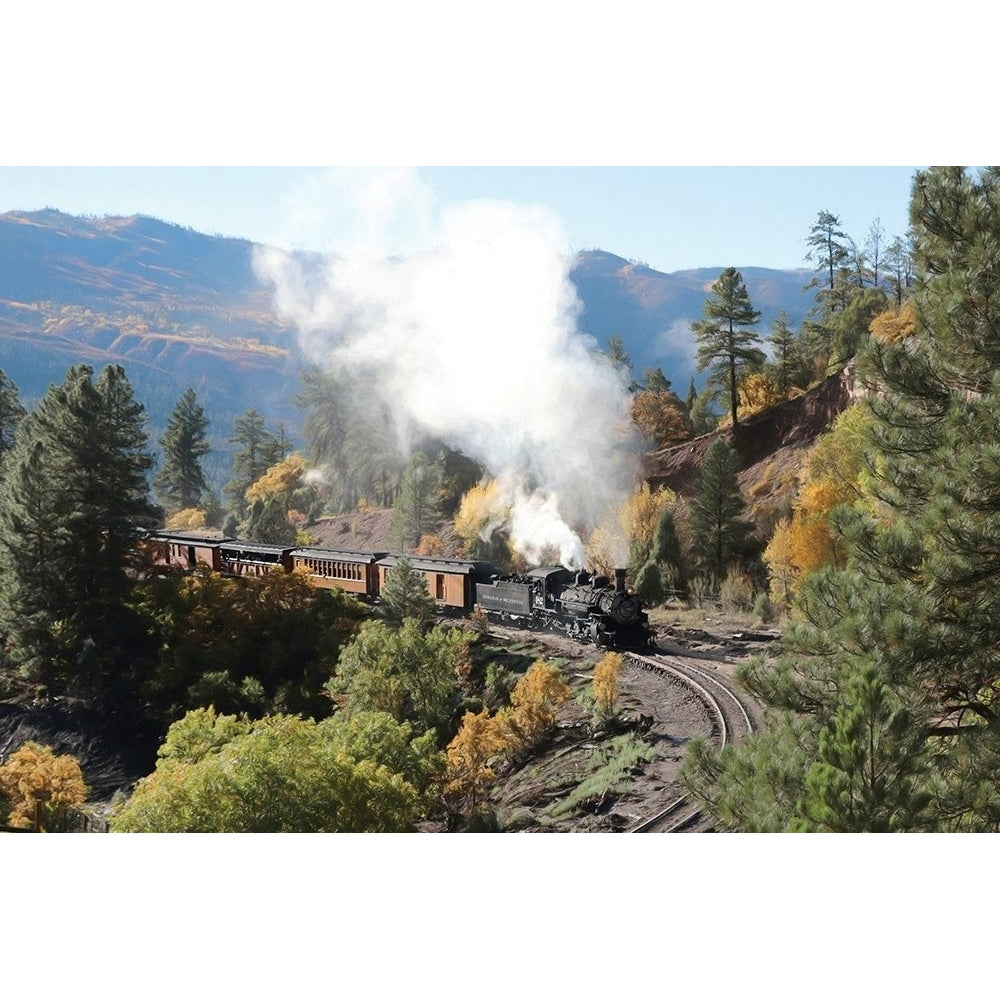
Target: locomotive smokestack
(619, 581)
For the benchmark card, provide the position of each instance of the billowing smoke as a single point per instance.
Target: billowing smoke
(473, 338)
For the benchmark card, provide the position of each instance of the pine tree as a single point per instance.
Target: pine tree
(725, 344)
(11, 413)
(417, 510)
(829, 248)
(619, 357)
(668, 554)
(258, 452)
(405, 595)
(74, 492)
(180, 480)
(719, 533)
(787, 365)
(872, 760)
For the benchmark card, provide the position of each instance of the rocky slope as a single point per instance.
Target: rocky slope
(770, 447)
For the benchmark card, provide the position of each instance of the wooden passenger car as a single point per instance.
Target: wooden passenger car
(354, 572)
(243, 558)
(451, 582)
(186, 549)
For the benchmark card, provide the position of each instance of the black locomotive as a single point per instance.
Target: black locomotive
(585, 607)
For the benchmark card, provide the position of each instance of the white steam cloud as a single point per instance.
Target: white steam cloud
(474, 339)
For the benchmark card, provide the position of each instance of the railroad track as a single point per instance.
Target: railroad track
(732, 724)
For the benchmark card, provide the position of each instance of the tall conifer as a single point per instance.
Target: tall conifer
(74, 491)
(180, 481)
(726, 344)
(11, 413)
(716, 508)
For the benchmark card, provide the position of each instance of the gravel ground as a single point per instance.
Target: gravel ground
(661, 710)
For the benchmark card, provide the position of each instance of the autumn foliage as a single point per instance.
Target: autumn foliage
(659, 418)
(605, 684)
(188, 519)
(895, 324)
(42, 789)
(757, 393)
(282, 478)
(484, 740)
(835, 474)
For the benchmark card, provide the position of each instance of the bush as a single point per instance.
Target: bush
(649, 584)
(736, 591)
(763, 608)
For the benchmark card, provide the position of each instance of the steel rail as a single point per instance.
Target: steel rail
(683, 671)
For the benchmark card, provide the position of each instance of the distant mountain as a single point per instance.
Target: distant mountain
(173, 306)
(653, 311)
(179, 308)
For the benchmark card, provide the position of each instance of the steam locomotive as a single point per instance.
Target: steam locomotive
(585, 607)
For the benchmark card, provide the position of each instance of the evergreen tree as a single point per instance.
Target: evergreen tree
(619, 357)
(180, 481)
(703, 415)
(258, 452)
(692, 395)
(725, 344)
(405, 595)
(871, 762)
(649, 584)
(11, 413)
(830, 248)
(417, 510)
(74, 491)
(786, 367)
(349, 433)
(719, 534)
(668, 554)
(411, 672)
(850, 327)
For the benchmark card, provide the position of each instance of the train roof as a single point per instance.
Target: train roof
(545, 572)
(247, 546)
(206, 536)
(436, 564)
(340, 555)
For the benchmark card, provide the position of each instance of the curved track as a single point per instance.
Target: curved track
(732, 723)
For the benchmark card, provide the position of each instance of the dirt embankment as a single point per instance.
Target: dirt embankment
(770, 447)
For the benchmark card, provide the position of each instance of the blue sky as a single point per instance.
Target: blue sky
(669, 217)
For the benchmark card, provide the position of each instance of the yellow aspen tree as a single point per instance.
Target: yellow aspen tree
(779, 557)
(468, 772)
(534, 701)
(639, 517)
(285, 476)
(187, 519)
(42, 788)
(758, 392)
(605, 685)
(480, 506)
